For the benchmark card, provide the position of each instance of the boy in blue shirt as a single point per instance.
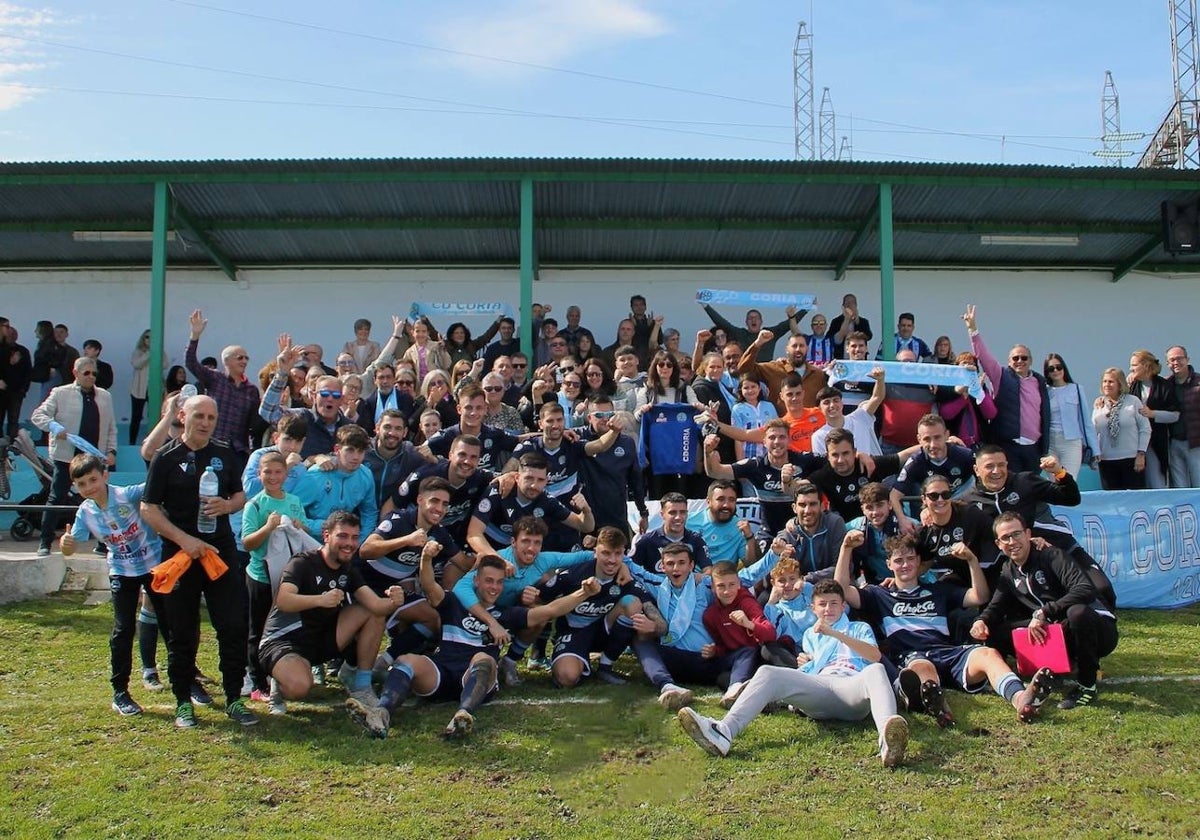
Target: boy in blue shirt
(111, 515)
(349, 485)
(840, 678)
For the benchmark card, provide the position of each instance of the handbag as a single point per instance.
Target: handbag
(1089, 454)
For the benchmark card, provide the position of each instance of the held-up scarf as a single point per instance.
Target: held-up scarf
(677, 607)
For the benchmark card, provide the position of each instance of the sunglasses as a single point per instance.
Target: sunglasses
(573, 382)
(567, 368)
(665, 364)
(337, 395)
(939, 496)
(1053, 367)
(1018, 358)
(408, 382)
(492, 389)
(520, 365)
(87, 373)
(596, 373)
(345, 362)
(603, 415)
(558, 344)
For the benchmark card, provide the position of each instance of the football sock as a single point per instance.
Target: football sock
(1010, 686)
(480, 679)
(396, 685)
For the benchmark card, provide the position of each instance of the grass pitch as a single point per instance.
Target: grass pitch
(595, 762)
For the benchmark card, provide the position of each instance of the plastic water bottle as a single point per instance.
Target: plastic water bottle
(210, 487)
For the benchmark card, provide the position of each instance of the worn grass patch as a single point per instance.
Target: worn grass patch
(617, 767)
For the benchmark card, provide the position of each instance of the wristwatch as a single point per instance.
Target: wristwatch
(1039, 615)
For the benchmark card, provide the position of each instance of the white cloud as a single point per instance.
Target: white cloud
(544, 31)
(19, 58)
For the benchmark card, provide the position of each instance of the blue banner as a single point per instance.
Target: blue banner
(907, 373)
(446, 313)
(751, 299)
(1147, 542)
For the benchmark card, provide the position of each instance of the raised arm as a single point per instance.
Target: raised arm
(712, 460)
(841, 572)
(986, 360)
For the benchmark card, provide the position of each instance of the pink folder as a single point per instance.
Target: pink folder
(1051, 654)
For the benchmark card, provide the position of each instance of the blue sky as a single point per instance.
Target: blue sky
(168, 79)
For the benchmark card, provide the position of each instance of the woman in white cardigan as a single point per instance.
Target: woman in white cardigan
(1071, 433)
(1122, 432)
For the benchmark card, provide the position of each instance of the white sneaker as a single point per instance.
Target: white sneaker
(247, 686)
(895, 739)
(706, 732)
(673, 698)
(508, 672)
(731, 694)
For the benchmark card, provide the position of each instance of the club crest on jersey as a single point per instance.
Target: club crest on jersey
(342, 581)
(484, 506)
(385, 527)
(487, 444)
(124, 511)
(958, 534)
(217, 464)
(614, 590)
(619, 451)
(1012, 498)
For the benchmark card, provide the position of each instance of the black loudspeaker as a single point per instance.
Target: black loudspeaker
(1181, 227)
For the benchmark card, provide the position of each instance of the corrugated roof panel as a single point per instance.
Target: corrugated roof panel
(79, 201)
(348, 247)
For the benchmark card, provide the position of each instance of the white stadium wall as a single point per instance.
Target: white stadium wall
(1092, 322)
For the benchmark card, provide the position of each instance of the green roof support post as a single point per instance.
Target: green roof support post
(528, 269)
(158, 299)
(887, 270)
(1136, 258)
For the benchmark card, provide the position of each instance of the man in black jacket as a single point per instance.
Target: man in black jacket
(997, 491)
(1038, 587)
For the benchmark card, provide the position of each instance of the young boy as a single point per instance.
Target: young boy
(915, 618)
(878, 523)
(349, 485)
(261, 516)
(734, 620)
(788, 610)
(840, 678)
(111, 514)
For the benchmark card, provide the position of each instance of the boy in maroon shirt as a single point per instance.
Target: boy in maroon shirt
(734, 620)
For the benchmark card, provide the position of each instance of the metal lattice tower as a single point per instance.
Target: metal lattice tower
(1110, 120)
(1176, 144)
(845, 152)
(802, 73)
(828, 128)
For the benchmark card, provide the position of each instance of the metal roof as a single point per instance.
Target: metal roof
(591, 212)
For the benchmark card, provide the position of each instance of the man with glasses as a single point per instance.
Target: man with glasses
(237, 397)
(1039, 587)
(507, 371)
(82, 409)
(1022, 422)
(1185, 432)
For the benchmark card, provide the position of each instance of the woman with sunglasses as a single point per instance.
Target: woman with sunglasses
(663, 385)
(435, 396)
(598, 380)
(570, 394)
(351, 392)
(499, 414)
(944, 523)
(1071, 431)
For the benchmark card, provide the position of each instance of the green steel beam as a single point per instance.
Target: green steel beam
(158, 300)
(887, 269)
(868, 223)
(185, 221)
(528, 269)
(1133, 260)
(988, 177)
(627, 223)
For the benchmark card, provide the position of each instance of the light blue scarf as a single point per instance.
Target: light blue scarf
(678, 611)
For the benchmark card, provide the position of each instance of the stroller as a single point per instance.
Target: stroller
(26, 522)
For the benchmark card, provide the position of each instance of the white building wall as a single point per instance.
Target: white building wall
(1091, 321)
